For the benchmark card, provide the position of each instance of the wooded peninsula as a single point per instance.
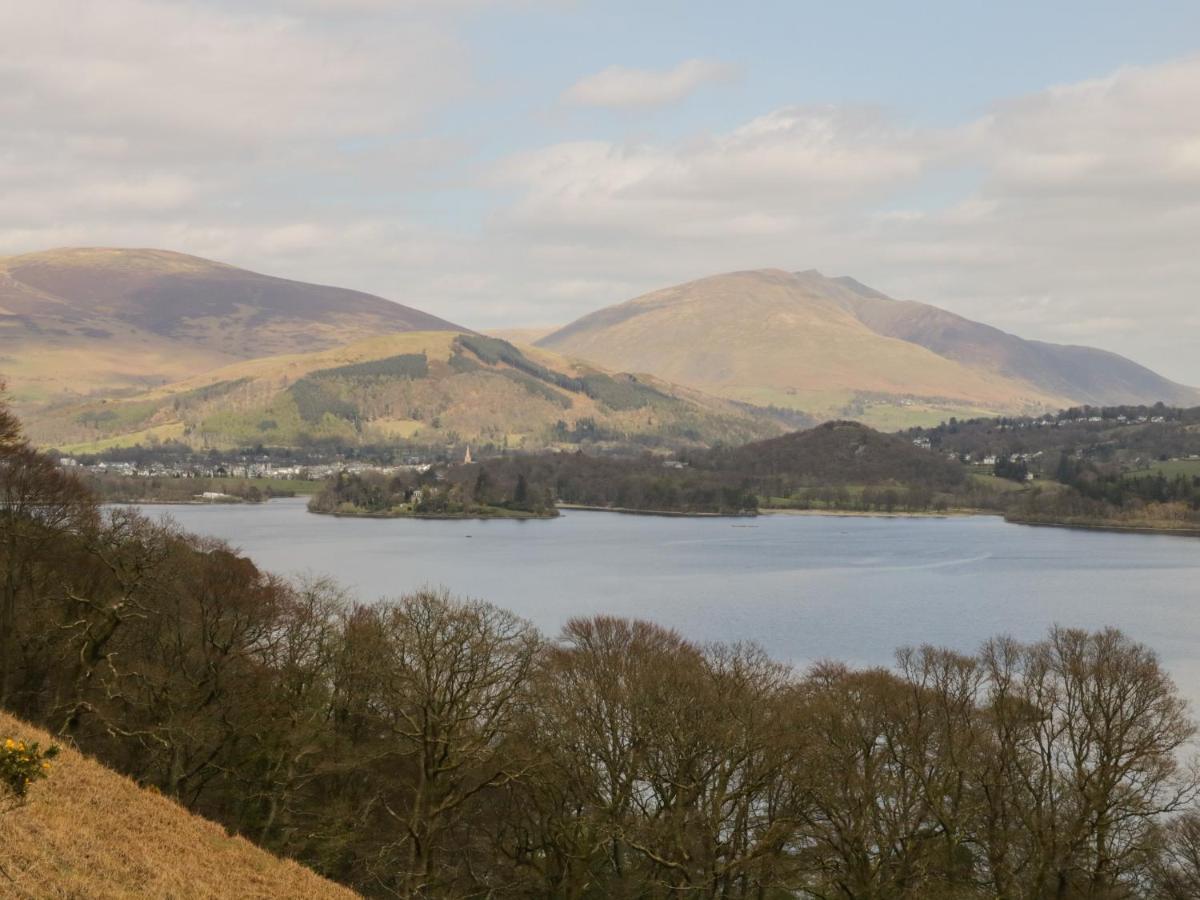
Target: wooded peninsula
(1090, 468)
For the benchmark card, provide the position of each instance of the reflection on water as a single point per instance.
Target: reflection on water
(804, 587)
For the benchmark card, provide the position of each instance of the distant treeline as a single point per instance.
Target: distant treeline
(427, 747)
(112, 488)
(641, 483)
(840, 465)
(1104, 435)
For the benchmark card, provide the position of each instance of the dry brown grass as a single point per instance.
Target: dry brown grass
(91, 834)
(769, 337)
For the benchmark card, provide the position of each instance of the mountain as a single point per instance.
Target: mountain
(834, 348)
(88, 832)
(84, 320)
(422, 389)
(1085, 374)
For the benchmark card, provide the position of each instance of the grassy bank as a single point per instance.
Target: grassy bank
(87, 831)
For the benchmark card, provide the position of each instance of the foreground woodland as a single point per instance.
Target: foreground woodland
(433, 747)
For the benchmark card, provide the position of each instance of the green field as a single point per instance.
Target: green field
(1171, 468)
(278, 485)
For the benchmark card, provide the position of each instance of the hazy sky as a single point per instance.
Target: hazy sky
(1034, 165)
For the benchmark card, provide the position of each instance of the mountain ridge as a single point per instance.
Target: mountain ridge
(836, 348)
(73, 320)
(1055, 366)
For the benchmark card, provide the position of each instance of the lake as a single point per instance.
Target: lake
(805, 587)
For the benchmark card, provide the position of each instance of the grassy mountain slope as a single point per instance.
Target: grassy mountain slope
(423, 388)
(1085, 374)
(769, 337)
(89, 832)
(834, 348)
(78, 321)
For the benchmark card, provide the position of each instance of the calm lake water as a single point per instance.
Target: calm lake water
(805, 587)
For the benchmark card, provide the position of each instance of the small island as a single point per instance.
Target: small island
(432, 495)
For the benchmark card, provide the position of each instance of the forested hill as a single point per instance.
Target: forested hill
(837, 453)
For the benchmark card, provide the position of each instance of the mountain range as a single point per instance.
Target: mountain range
(107, 347)
(836, 348)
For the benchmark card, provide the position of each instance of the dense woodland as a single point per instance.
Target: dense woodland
(439, 748)
(474, 491)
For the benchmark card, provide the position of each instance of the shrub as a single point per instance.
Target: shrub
(22, 764)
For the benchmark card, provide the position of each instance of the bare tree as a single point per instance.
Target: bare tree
(40, 505)
(1086, 733)
(448, 680)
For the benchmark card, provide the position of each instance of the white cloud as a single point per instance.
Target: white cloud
(761, 178)
(297, 137)
(1078, 222)
(191, 79)
(618, 87)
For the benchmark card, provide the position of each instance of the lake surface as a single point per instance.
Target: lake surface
(805, 587)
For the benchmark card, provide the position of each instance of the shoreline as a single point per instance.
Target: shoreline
(874, 514)
(1117, 528)
(484, 517)
(675, 514)
(234, 502)
(679, 514)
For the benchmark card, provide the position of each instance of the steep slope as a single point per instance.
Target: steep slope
(89, 832)
(422, 389)
(82, 320)
(1085, 374)
(770, 337)
(835, 348)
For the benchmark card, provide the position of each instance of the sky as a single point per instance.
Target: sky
(508, 163)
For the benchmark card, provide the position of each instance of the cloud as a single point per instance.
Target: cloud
(760, 178)
(191, 79)
(618, 87)
(307, 138)
(1074, 216)
(232, 129)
